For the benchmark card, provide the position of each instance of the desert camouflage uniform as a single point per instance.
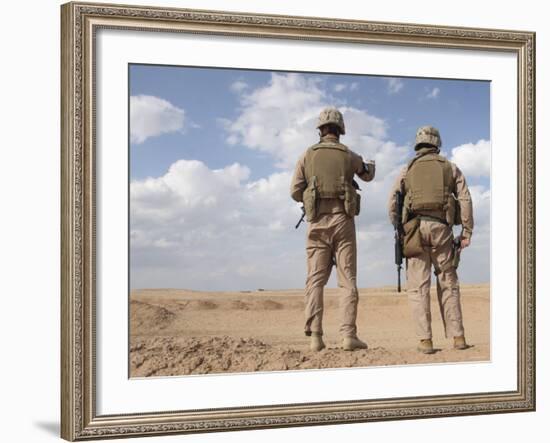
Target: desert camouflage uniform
(330, 238)
(437, 238)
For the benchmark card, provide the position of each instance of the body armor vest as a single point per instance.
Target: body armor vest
(429, 185)
(329, 174)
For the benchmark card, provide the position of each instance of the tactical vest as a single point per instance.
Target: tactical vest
(429, 185)
(329, 174)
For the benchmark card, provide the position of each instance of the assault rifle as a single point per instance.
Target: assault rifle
(398, 236)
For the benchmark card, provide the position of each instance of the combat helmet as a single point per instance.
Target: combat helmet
(331, 115)
(427, 135)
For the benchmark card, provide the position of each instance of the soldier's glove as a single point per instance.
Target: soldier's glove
(369, 166)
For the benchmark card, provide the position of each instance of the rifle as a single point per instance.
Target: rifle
(398, 236)
(301, 218)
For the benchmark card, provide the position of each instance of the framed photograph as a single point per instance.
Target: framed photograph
(275, 221)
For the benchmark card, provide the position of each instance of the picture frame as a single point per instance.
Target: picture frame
(81, 22)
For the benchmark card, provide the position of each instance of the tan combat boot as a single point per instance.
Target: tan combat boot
(460, 343)
(352, 343)
(316, 344)
(426, 346)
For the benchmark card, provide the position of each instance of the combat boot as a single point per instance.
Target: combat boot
(426, 346)
(316, 344)
(352, 343)
(460, 343)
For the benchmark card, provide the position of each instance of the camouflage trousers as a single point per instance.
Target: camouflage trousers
(331, 238)
(437, 241)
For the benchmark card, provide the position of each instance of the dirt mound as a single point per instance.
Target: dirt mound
(202, 305)
(163, 356)
(239, 305)
(269, 305)
(146, 316)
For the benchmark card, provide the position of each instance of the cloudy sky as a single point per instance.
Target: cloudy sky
(212, 153)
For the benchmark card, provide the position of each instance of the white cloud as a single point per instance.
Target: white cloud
(475, 260)
(339, 87)
(280, 119)
(474, 159)
(196, 227)
(238, 86)
(394, 85)
(189, 183)
(152, 116)
(433, 94)
(481, 199)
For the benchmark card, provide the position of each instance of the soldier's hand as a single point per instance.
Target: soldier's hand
(369, 166)
(464, 243)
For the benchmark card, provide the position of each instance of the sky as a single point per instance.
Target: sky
(212, 152)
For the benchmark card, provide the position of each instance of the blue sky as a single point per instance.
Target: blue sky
(198, 123)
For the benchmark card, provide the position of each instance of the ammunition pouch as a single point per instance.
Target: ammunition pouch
(311, 200)
(412, 239)
(352, 199)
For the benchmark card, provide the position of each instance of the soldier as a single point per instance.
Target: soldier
(436, 197)
(324, 182)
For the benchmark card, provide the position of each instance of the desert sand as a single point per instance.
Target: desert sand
(181, 332)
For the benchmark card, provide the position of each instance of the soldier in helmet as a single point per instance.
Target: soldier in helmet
(436, 197)
(324, 182)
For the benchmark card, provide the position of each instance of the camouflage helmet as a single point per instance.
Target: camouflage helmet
(428, 135)
(331, 115)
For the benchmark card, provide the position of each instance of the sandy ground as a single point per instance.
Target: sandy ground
(179, 332)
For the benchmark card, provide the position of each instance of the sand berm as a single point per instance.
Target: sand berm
(180, 332)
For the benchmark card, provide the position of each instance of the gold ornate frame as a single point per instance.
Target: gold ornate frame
(80, 21)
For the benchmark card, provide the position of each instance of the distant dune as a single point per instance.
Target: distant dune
(179, 332)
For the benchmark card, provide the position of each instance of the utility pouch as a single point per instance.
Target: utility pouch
(412, 240)
(352, 200)
(311, 200)
(452, 214)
